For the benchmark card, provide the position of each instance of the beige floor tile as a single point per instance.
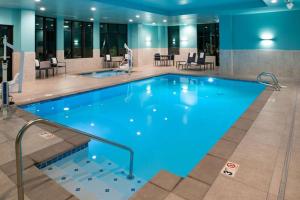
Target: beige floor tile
(243, 124)
(191, 189)
(150, 192)
(223, 149)
(235, 135)
(208, 169)
(166, 180)
(8, 190)
(3, 137)
(7, 150)
(227, 189)
(172, 196)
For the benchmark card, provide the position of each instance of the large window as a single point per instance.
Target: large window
(208, 39)
(173, 40)
(112, 39)
(45, 37)
(78, 40)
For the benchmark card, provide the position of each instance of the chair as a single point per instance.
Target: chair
(172, 58)
(201, 60)
(39, 69)
(186, 64)
(54, 63)
(157, 59)
(13, 84)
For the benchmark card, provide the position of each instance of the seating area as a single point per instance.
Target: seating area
(196, 62)
(164, 60)
(51, 67)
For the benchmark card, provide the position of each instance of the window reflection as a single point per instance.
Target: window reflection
(78, 39)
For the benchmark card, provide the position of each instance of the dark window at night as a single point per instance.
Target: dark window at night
(45, 37)
(78, 39)
(112, 39)
(208, 39)
(173, 40)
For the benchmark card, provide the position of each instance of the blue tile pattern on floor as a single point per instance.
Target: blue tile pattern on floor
(91, 178)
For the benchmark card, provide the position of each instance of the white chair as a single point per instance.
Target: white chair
(13, 84)
(54, 63)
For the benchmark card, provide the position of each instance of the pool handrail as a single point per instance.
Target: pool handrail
(275, 83)
(19, 159)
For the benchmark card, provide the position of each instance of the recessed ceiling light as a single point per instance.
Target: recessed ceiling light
(274, 1)
(93, 8)
(153, 23)
(37, 0)
(92, 19)
(42, 8)
(130, 20)
(137, 16)
(165, 21)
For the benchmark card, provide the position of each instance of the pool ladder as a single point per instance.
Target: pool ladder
(274, 83)
(19, 159)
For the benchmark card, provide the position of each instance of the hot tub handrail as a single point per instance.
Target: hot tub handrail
(18, 148)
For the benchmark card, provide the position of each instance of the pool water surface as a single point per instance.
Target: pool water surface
(170, 121)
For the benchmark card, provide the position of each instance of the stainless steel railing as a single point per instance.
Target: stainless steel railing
(19, 160)
(274, 84)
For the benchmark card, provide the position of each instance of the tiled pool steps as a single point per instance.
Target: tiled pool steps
(91, 179)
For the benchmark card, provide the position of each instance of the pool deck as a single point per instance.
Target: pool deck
(257, 142)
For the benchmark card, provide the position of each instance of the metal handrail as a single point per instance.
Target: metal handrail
(275, 83)
(19, 160)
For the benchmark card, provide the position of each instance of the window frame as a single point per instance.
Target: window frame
(45, 56)
(170, 40)
(115, 34)
(83, 39)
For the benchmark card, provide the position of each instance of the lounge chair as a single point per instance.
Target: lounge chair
(39, 69)
(54, 63)
(201, 60)
(188, 63)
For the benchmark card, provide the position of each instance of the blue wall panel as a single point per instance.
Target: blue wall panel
(282, 29)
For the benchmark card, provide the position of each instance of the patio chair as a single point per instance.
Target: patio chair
(54, 63)
(157, 59)
(201, 60)
(188, 63)
(39, 69)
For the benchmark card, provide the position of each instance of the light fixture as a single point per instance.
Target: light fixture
(274, 1)
(42, 8)
(130, 20)
(289, 4)
(66, 109)
(93, 8)
(137, 16)
(92, 19)
(165, 21)
(37, 0)
(153, 23)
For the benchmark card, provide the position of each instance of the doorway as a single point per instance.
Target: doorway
(8, 31)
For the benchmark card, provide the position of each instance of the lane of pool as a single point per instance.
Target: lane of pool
(170, 121)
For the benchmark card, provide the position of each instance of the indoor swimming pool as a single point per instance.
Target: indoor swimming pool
(170, 121)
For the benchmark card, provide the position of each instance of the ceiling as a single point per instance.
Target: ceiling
(160, 12)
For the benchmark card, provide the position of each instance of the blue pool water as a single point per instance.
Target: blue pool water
(170, 121)
(103, 74)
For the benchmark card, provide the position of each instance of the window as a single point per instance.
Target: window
(112, 39)
(173, 40)
(45, 37)
(78, 39)
(208, 39)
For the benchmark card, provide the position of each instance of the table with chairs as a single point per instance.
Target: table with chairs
(45, 68)
(164, 60)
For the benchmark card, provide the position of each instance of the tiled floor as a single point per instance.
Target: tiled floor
(260, 153)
